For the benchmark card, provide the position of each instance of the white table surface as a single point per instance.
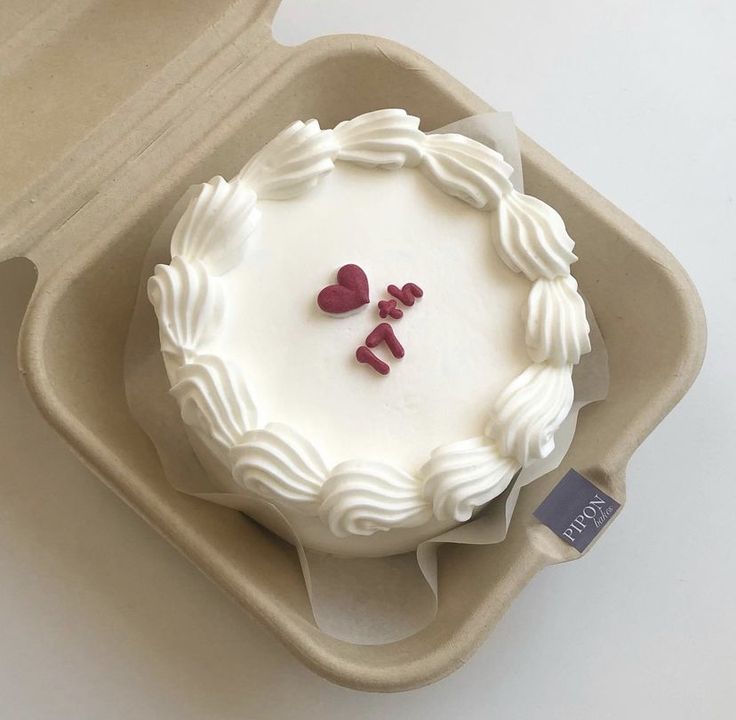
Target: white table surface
(102, 619)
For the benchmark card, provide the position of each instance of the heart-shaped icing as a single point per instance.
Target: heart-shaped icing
(350, 292)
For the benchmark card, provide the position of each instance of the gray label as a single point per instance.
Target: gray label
(576, 510)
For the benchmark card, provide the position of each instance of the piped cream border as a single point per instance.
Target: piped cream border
(275, 462)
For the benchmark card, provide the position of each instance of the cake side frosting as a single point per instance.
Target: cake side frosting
(278, 463)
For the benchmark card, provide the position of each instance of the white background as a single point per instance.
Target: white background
(102, 619)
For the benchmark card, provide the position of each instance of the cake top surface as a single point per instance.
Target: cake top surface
(463, 340)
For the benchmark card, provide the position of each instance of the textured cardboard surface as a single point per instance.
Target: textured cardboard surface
(85, 217)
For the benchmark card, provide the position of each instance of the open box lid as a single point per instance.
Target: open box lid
(89, 86)
(111, 108)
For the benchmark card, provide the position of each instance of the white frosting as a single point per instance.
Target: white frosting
(291, 163)
(529, 411)
(214, 399)
(556, 327)
(462, 353)
(532, 238)
(216, 224)
(381, 139)
(467, 170)
(463, 476)
(191, 304)
(278, 464)
(361, 498)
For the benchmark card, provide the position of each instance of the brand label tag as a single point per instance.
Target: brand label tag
(576, 510)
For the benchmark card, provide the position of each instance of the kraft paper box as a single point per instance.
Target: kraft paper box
(102, 140)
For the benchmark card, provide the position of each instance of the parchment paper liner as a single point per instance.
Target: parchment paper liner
(359, 600)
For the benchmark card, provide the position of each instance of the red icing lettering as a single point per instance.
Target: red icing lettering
(406, 294)
(388, 308)
(350, 292)
(385, 333)
(364, 355)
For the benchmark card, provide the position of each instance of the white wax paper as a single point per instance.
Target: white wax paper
(359, 600)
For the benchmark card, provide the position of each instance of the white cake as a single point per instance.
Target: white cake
(369, 328)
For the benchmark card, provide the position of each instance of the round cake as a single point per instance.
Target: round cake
(369, 329)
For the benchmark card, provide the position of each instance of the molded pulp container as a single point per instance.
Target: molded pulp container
(111, 108)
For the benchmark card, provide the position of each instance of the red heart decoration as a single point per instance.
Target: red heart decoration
(350, 292)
